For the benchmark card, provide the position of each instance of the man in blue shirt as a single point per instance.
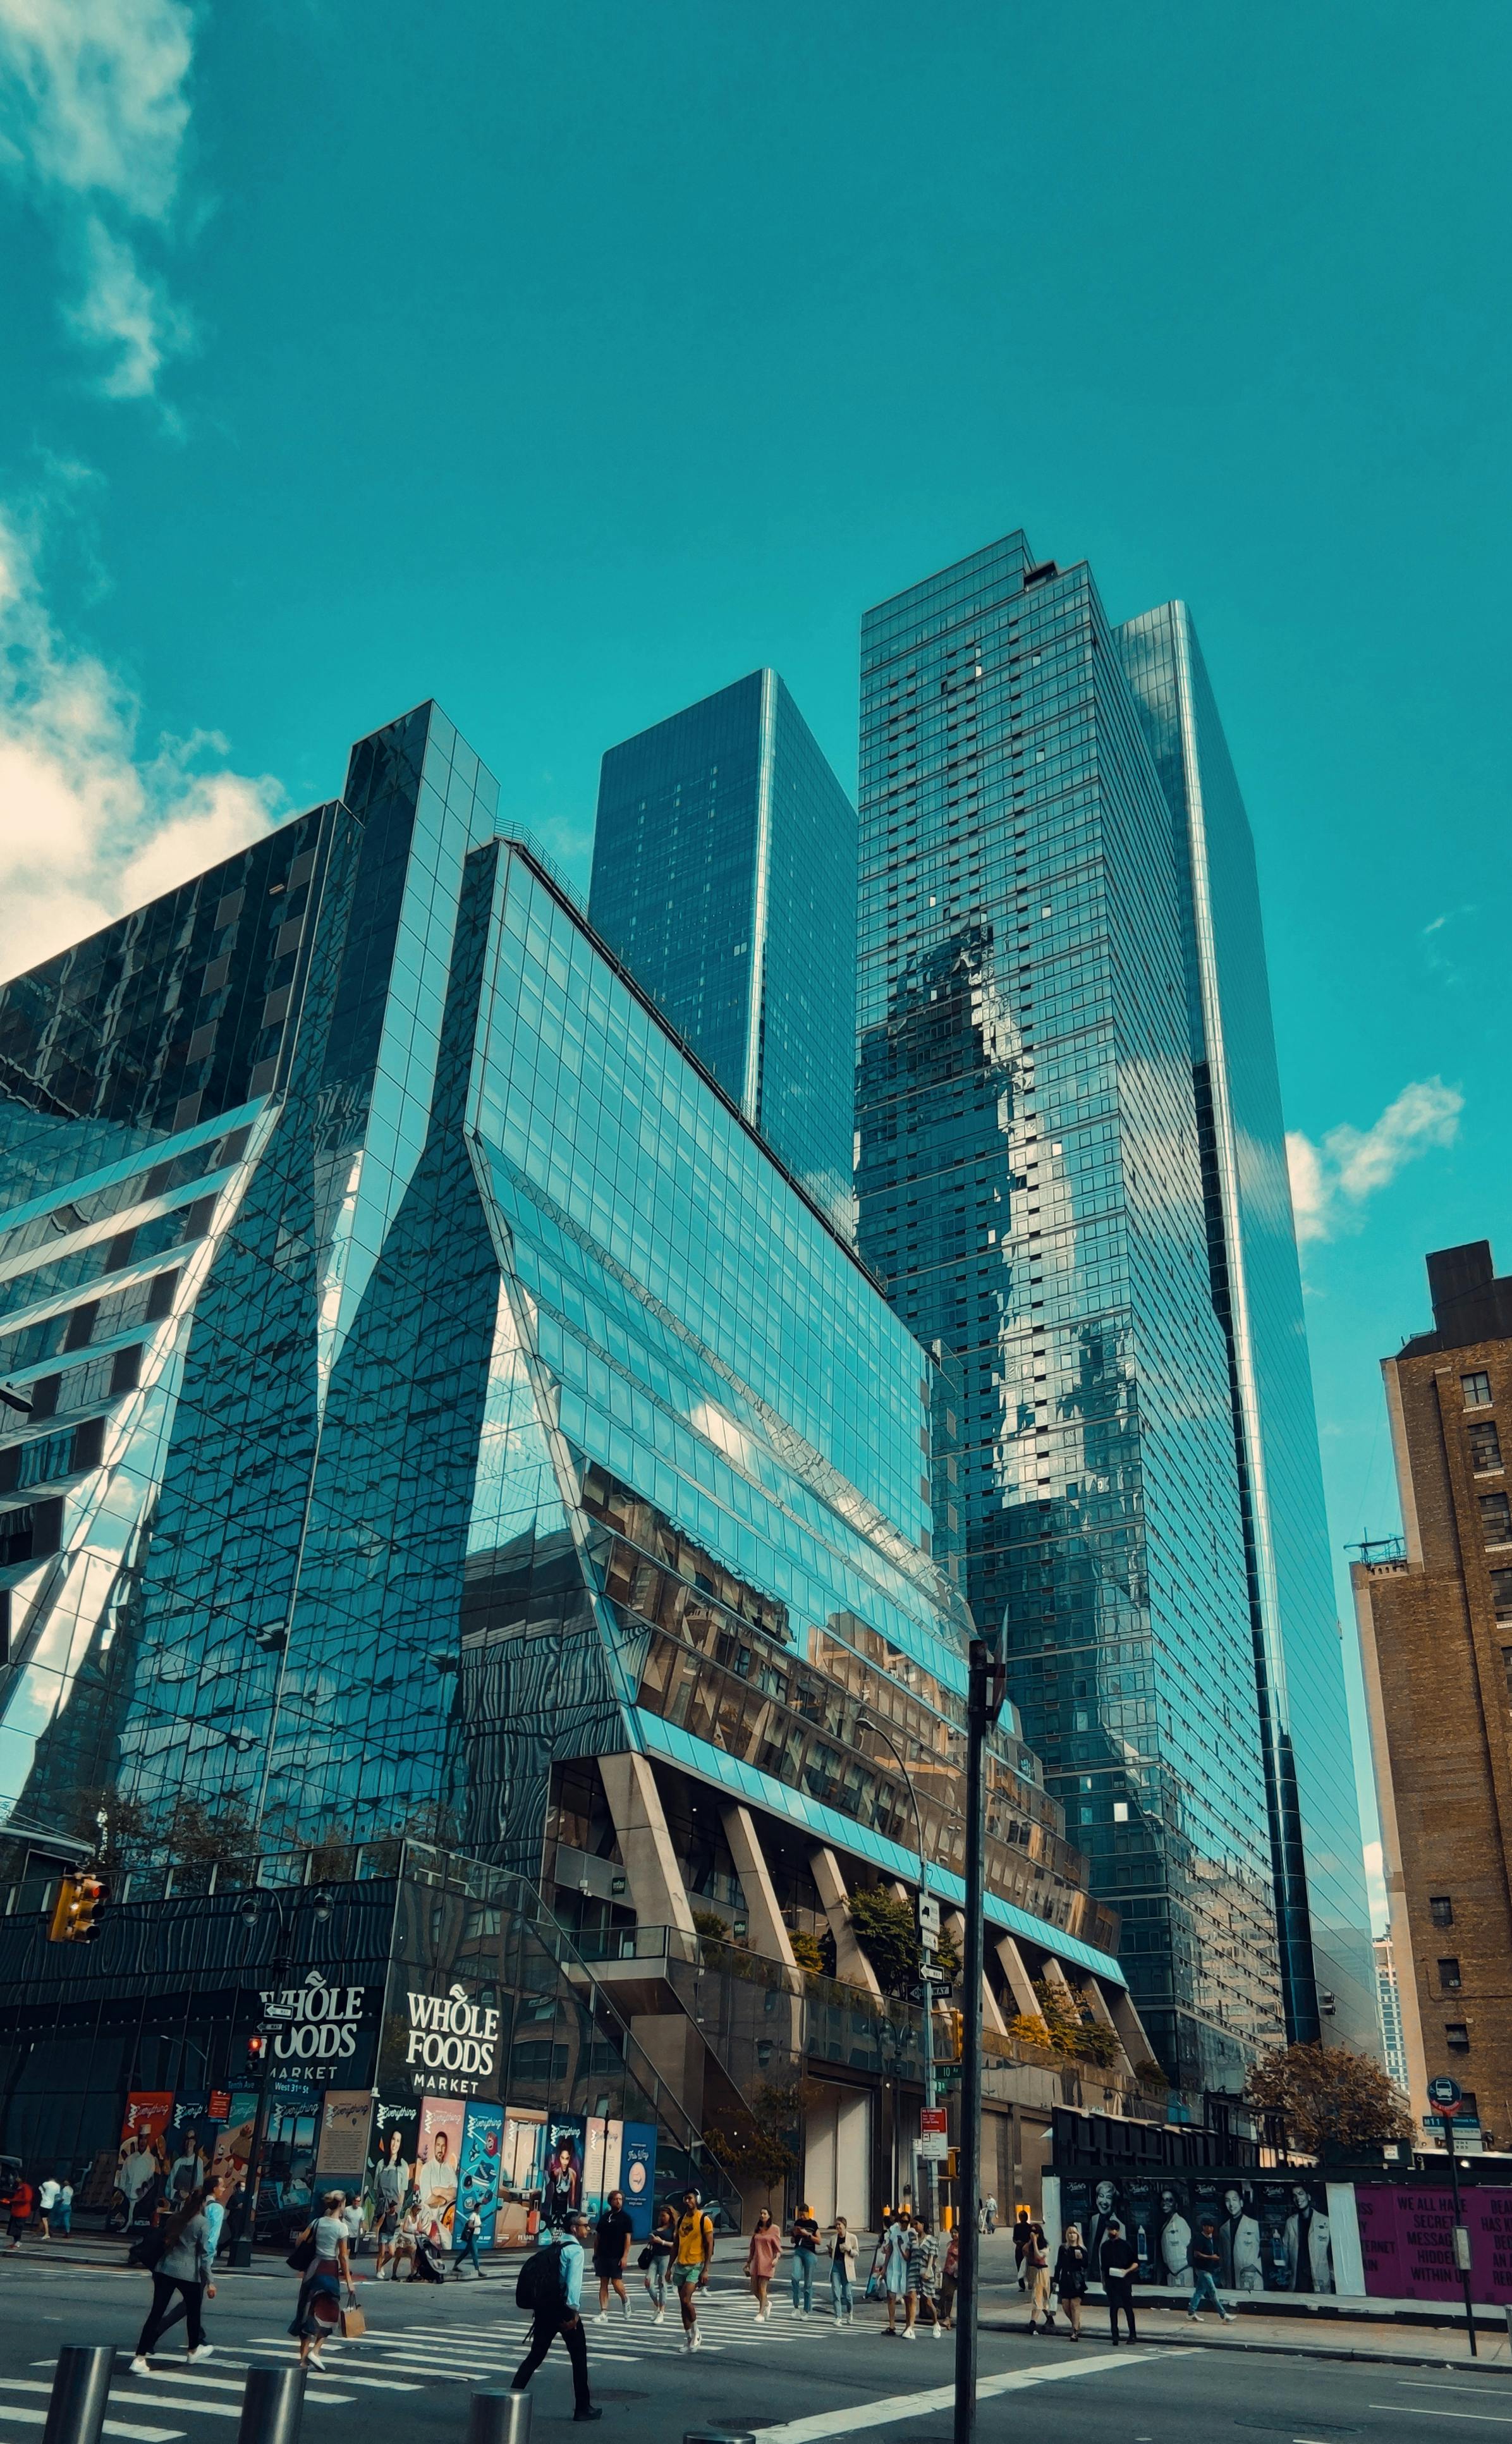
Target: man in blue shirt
(563, 2317)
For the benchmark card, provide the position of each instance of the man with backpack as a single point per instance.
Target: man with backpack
(550, 2285)
(691, 2256)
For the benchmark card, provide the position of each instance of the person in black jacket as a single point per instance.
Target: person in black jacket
(1120, 2264)
(1071, 2278)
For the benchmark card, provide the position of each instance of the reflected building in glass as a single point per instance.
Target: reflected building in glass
(724, 875)
(438, 1415)
(1071, 1176)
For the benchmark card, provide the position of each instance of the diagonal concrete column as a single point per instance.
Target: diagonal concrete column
(953, 1924)
(658, 1893)
(850, 1963)
(764, 1925)
(1020, 1985)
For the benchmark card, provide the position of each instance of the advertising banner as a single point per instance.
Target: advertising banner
(480, 2170)
(141, 2165)
(233, 2143)
(602, 2147)
(562, 2168)
(341, 2153)
(1272, 2235)
(395, 2131)
(438, 2147)
(1407, 2240)
(638, 2175)
(190, 2141)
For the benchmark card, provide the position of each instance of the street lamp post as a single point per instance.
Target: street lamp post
(930, 2195)
(247, 2219)
(986, 1679)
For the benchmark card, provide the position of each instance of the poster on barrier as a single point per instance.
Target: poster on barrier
(561, 2175)
(437, 2148)
(479, 2171)
(637, 2176)
(141, 2165)
(1271, 2235)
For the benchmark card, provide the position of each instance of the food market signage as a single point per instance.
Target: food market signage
(450, 2043)
(318, 2032)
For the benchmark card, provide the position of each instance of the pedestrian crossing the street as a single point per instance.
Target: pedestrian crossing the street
(407, 2360)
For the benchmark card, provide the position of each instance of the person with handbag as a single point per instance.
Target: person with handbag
(950, 2277)
(760, 2263)
(655, 2258)
(177, 2255)
(1037, 2266)
(1071, 2278)
(319, 2255)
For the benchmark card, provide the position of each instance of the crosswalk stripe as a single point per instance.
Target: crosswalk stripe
(112, 2426)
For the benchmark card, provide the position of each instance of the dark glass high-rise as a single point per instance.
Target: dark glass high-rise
(1043, 1182)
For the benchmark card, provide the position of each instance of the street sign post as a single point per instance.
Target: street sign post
(1446, 2096)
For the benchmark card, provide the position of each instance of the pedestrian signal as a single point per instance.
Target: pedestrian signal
(256, 2052)
(79, 1900)
(952, 2165)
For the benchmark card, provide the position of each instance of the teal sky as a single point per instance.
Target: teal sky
(567, 360)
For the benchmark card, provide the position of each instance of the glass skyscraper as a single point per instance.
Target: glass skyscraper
(1041, 1182)
(435, 1414)
(724, 875)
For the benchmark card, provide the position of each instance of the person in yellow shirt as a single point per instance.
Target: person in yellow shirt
(692, 2257)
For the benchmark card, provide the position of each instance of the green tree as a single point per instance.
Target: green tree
(886, 1932)
(1331, 2099)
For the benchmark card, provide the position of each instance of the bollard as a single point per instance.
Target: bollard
(272, 2404)
(81, 2388)
(497, 2416)
(718, 2435)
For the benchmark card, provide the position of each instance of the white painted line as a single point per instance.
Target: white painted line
(112, 2426)
(919, 2405)
(1411, 2409)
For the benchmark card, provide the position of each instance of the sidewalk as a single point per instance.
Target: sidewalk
(1416, 2332)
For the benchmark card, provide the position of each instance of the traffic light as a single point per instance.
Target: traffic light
(256, 2051)
(952, 2165)
(957, 2024)
(79, 1900)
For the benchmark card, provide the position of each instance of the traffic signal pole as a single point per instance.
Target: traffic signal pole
(246, 2215)
(985, 1681)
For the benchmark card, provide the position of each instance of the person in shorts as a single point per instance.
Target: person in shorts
(692, 2257)
(18, 2206)
(611, 2253)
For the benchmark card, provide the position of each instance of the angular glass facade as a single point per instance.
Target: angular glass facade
(1032, 1185)
(1322, 1911)
(724, 875)
(450, 1421)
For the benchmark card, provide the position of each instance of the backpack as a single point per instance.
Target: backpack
(538, 2286)
(150, 2250)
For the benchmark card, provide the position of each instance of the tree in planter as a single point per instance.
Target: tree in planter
(1331, 2099)
(759, 2148)
(884, 1928)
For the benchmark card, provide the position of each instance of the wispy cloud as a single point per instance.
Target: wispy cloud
(1331, 1180)
(90, 827)
(93, 116)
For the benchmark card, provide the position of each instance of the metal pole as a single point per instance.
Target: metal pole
(984, 1679)
(1462, 2248)
(241, 2252)
(496, 2415)
(272, 2404)
(81, 2389)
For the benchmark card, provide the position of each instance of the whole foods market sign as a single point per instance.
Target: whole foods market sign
(450, 2042)
(315, 2029)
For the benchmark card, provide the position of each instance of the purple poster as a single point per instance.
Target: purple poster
(1407, 2241)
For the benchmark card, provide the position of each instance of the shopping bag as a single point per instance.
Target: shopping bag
(353, 2323)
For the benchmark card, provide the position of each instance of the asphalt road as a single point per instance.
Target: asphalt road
(797, 2380)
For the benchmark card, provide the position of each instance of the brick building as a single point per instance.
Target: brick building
(1435, 1620)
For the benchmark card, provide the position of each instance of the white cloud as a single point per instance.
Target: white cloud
(93, 115)
(1380, 1905)
(89, 828)
(1331, 1180)
(128, 313)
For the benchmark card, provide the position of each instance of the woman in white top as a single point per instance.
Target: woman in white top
(320, 2295)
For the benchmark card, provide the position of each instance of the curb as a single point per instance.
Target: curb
(1295, 2351)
